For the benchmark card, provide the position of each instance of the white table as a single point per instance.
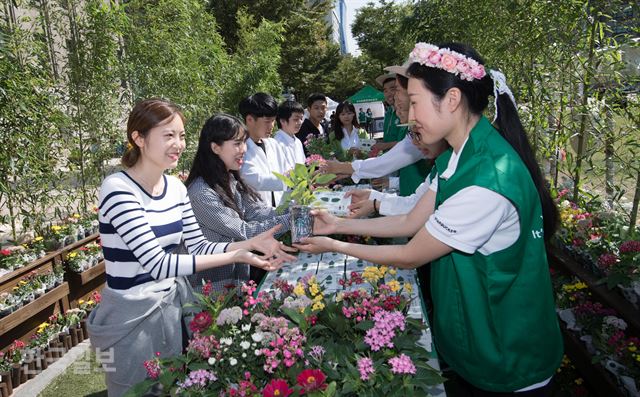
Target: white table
(331, 267)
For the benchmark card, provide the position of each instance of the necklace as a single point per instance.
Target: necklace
(153, 188)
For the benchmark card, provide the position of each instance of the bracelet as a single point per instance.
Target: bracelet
(375, 210)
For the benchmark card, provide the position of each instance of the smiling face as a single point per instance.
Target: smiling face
(389, 89)
(231, 152)
(163, 144)
(432, 121)
(292, 126)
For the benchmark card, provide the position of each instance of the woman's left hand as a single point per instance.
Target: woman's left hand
(316, 245)
(272, 248)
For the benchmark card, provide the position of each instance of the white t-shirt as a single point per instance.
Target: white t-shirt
(475, 218)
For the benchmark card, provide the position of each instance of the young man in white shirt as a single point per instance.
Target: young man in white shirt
(289, 117)
(264, 154)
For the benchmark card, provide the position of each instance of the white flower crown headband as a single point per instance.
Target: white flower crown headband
(460, 65)
(448, 60)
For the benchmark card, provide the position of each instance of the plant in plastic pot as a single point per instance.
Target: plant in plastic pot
(303, 180)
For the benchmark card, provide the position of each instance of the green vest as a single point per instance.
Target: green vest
(412, 175)
(390, 128)
(494, 316)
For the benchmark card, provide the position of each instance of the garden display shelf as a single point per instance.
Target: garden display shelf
(600, 292)
(87, 275)
(57, 294)
(600, 381)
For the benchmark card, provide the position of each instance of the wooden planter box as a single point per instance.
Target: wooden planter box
(31, 309)
(86, 276)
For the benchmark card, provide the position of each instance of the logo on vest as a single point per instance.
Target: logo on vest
(445, 227)
(539, 233)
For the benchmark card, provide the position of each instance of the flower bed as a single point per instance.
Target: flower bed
(295, 340)
(604, 334)
(599, 241)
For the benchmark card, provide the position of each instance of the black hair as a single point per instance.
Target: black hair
(403, 81)
(316, 96)
(286, 109)
(388, 79)
(337, 126)
(258, 105)
(208, 166)
(476, 94)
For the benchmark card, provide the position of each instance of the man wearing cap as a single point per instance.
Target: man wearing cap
(404, 157)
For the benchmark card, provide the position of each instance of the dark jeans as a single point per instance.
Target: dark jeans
(455, 386)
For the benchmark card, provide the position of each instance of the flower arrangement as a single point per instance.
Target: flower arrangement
(446, 59)
(77, 261)
(11, 259)
(319, 145)
(298, 340)
(302, 181)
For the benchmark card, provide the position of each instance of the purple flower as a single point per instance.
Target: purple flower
(365, 366)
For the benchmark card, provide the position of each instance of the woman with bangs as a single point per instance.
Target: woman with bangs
(226, 208)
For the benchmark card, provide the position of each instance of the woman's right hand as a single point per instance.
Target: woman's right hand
(324, 222)
(361, 209)
(336, 167)
(244, 256)
(358, 195)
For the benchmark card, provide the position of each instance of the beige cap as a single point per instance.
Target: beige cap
(401, 70)
(384, 77)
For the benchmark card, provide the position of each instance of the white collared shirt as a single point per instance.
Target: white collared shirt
(293, 149)
(257, 169)
(350, 140)
(404, 153)
(473, 219)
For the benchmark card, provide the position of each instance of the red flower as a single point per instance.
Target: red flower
(277, 388)
(206, 289)
(200, 322)
(5, 252)
(630, 247)
(312, 380)
(96, 296)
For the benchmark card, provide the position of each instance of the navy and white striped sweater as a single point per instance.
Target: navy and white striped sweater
(139, 233)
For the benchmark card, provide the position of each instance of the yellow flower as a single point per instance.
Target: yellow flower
(317, 306)
(393, 271)
(73, 255)
(408, 287)
(632, 348)
(299, 289)
(81, 301)
(339, 297)
(383, 270)
(394, 285)
(22, 282)
(77, 216)
(578, 381)
(318, 298)
(314, 289)
(90, 302)
(38, 238)
(372, 274)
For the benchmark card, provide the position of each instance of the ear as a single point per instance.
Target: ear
(453, 99)
(215, 148)
(137, 139)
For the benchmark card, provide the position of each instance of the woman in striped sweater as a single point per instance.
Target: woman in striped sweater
(144, 215)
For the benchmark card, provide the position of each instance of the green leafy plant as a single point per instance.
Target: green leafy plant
(303, 180)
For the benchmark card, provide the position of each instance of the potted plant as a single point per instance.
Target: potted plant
(302, 181)
(77, 261)
(6, 304)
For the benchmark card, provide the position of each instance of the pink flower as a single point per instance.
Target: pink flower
(200, 322)
(463, 67)
(312, 380)
(5, 252)
(153, 368)
(206, 289)
(277, 388)
(607, 260)
(365, 366)
(448, 62)
(477, 71)
(434, 57)
(629, 247)
(402, 365)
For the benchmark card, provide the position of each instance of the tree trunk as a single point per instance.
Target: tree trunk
(634, 208)
(609, 153)
(48, 34)
(583, 115)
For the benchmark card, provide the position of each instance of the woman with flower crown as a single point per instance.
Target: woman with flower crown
(482, 225)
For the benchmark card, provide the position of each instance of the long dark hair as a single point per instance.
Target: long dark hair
(508, 123)
(337, 126)
(210, 167)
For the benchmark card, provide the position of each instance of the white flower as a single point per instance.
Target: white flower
(244, 355)
(257, 337)
(257, 352)
(233, 361)
(211, 361)
(226, 341)
(246, 327)
(245, 345)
